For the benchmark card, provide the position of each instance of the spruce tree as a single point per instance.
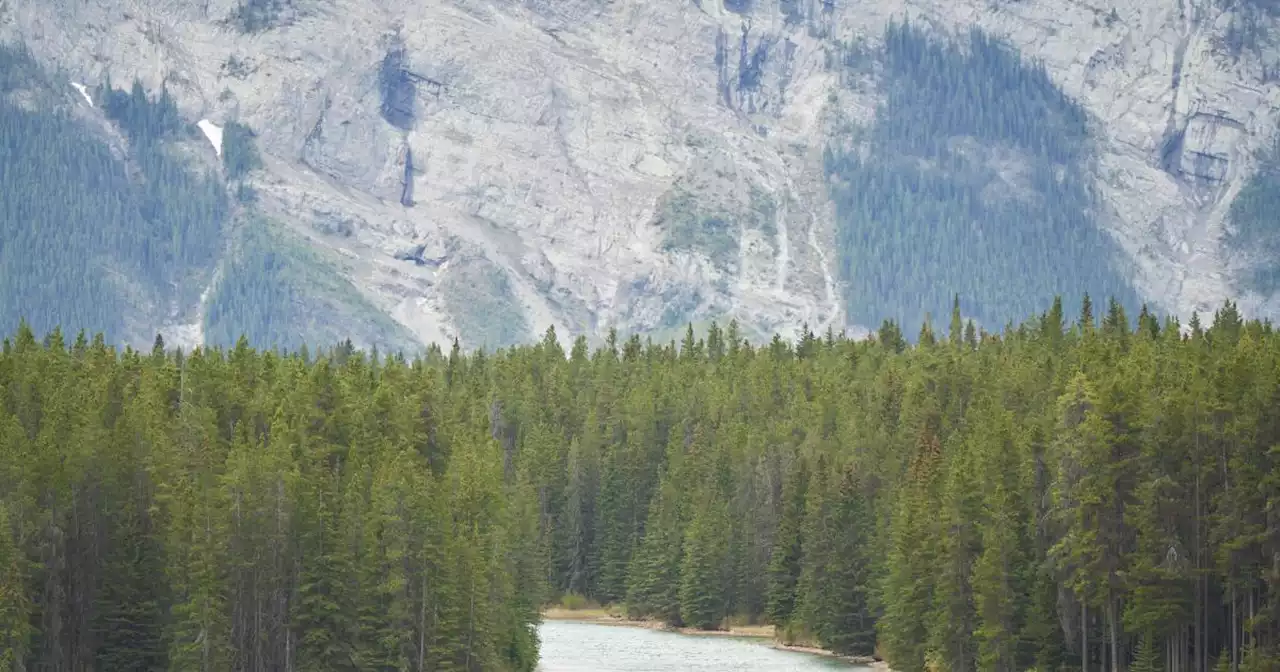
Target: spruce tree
(1147, 659)
(849, 623)
(788, 547)
(701, 589)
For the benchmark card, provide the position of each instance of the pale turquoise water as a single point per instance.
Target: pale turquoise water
(585, 647)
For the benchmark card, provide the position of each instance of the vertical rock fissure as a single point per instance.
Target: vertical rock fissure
(406, 192)
(1171, 148)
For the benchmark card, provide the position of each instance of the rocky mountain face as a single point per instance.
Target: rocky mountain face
(486, 169)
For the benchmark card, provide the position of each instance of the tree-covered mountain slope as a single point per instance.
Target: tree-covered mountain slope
(483, 169)
(973, 179)
(97, 222)
(115, 220)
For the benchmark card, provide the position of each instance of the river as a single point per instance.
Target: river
(569, 646)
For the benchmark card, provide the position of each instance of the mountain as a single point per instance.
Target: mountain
(407, 173)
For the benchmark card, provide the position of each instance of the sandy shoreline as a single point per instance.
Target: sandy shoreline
(603, 617)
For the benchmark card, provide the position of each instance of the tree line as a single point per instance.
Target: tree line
(1092, 493)
(1068, 494)
(242, 510)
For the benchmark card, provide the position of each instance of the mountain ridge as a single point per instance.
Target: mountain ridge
(555, 151)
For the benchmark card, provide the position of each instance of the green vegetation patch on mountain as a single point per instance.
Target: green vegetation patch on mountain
(974, 179)
(691, 229)
(1256, 225)
(278, 292)
(239, 151)
(483, 304)
(707, 211)
(254, 16)
(88, 234)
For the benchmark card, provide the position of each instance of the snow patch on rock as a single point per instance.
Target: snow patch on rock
(213, 132)
(548, 134)
(83, 92)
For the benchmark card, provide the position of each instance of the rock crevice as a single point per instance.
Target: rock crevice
(562, 126)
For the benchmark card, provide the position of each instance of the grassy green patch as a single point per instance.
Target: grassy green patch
(689, 228)
(576, 602)
(479, 297)
(279, 292)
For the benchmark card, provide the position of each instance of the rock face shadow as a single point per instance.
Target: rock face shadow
(398, 88)
(406, 192)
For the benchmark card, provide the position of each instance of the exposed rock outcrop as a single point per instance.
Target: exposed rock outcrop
(542, 140)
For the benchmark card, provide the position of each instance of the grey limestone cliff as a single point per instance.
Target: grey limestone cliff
(488, 169)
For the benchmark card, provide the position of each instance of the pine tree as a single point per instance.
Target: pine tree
(15, 629)
(1146, 659)
(580, 511)
(325, 609)
(955, 332)
(953, 620)
(130, 629)
(701, 591)
(654, 577)
(788, 547)
(911, 562)
(849, 623)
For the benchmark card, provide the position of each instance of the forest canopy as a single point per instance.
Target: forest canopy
(970, 502)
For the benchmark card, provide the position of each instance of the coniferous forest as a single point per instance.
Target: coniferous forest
(975, 154)
(83, 234)
(109, 222)
(1088, 492)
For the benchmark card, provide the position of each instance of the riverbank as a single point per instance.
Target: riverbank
(864, 661)
(606, 617)
(599, 616)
